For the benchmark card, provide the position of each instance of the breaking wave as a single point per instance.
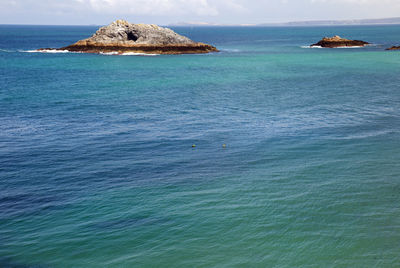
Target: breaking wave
(310, 46)
(370, 45)
(138, 54)
(46, 51)
(232, 50)
(128, 54)
(6, 50)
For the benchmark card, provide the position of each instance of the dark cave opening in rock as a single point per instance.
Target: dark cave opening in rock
(132, 36)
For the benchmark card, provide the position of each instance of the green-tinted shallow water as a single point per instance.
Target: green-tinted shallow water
(97, 167)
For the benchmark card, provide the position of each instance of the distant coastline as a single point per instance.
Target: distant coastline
(385, 21)
(349, 22)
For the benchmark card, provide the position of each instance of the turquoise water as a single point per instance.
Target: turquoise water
(97, 167)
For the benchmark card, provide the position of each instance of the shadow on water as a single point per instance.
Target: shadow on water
(129, 223)
(27, 203)
(9, 263)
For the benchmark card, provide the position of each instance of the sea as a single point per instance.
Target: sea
(268, 153)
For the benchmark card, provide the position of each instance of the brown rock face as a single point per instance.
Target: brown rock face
(394, 48)
(116, 48)
(123, 37)
(337, 41)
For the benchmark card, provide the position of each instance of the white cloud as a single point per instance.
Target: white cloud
(152, 7)
(169, 11)
(359, 2)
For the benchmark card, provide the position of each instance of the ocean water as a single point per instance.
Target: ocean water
(97, 167)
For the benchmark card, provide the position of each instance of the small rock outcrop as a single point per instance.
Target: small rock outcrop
(337, 41)
(394, 48)
(123, 37)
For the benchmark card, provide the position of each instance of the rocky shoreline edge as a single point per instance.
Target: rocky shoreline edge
(172, 49)
(394, 48)
(122, 37)
(338, 42)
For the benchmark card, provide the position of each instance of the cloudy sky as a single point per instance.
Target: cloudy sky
(83, 12)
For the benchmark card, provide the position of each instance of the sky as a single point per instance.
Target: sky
(164, 12)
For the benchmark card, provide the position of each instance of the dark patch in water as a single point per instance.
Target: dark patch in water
(8, 263)
(128, 223)
(12, 205)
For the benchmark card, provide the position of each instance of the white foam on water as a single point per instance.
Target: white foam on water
(231, 50)
(336, 47)
(109, 53)
(127, 54)
(311, 47)
(101, 53)
(137, 54)
(6, 50)
(46, 51)
(351, 47)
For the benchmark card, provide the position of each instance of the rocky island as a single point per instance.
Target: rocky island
(122, 37)
(337, 41)
(394, 48)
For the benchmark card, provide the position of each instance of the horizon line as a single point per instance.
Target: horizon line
(333, 22)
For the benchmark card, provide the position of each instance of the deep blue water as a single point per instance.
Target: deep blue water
(97, 166)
